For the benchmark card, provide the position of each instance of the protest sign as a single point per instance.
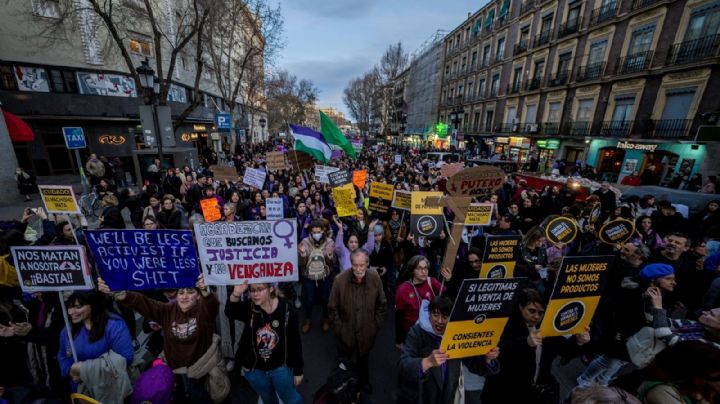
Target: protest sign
(274, 208)
(479, 214)
(561, 230)
(579, 285)
(254, 177)
(357, 146)
(344, 197)
(448, 170)
(59, 199)
(476, 181)
(144, 259)
(321, 173)
(275, 161)
(617, 231)
(359, 178)
(224, 173)
(232, 253)
(479, 316)
(401, 200)
(425, 220)
(381, 196)
(56, 268)
(210, 209)
(501, 253)
(339, 178)
(300, 160)
(398, 159)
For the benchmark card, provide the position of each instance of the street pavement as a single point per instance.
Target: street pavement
(13, 211)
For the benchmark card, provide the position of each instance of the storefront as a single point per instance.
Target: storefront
(547, 152)
(657, 162)
(513, 148)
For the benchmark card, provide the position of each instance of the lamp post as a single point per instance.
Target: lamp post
(151, 86)
(262, 122)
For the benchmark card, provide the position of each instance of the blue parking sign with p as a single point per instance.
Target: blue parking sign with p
(74, 137)
(222, 121)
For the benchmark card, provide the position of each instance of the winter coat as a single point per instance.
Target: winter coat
(106, 378)
(95, 168)
(112, 218)
(170, 219)
(26, 183)
(357, 310)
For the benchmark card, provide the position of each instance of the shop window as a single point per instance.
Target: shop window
(7, 78)
(70, 81)
(611, 159)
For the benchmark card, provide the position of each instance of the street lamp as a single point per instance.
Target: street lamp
(262, 129)
(151, 85)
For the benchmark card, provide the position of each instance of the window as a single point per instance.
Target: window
(512, 114)
(584, 110)
(447, 70)
(481, 88)
(63, 81)
(470, 89)
(524, 34)
(500, 49)
(641, 39)
(531, 113)
(574, 14)
(460, 91)
(467, 33)
(677, 104)
(486, 55)
(517, 77)
(7, 78)
(476, 121)
(46, 8)
(464, 62)
(704, 22)
(623, 108)
(473, 59)
(141, 47)
(546, 24)
(597, 52)
(564, 63)
(495, 85)
(554, 112)
(455, 66)
(539, 69)
(489, 120)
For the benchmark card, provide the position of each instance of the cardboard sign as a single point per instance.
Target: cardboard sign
(381, 196)
(576, 294)
(224, 173)
(59, 199)
(233, 253)
(56, 268)
(479, 214)
(398, 159)
(300, 160)
(359, 178)
(322, 172)
(274, 208)
(501, 253)
(210, 209)
(339, 178)
(448, 170)
(425, 220)
(401, 200)
(617, 231)
(479, 316)
(476, 181)
(254, 177)
(561, 230)
(144, 259)
(344, 197)
(275, 161)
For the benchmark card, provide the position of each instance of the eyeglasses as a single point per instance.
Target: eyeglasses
(257, 290)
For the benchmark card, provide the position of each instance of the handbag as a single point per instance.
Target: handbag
(643, 346)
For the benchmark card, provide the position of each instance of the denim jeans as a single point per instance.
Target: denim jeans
(271, 384)
(310, 292)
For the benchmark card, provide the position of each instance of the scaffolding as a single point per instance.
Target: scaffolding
(422, 91)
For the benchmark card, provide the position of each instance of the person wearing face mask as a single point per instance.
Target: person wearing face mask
(317, 261)
(426, 373)
(188, 325)
(357, 310)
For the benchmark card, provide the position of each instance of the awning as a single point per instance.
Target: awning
(19, 130)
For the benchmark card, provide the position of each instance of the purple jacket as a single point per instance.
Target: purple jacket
(343, 253)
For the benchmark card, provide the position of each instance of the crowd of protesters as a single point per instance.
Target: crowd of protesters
(359, 270)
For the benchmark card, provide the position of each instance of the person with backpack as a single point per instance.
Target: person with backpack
(271, 347)
(317, 262)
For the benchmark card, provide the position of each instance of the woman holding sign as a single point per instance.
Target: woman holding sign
(271, 347)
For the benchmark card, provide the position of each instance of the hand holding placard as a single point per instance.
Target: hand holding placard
(438, 357)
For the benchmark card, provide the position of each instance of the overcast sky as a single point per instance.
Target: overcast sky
(332, 41)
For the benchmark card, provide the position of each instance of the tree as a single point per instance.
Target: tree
(393, 62)
(289, 100)
(359, 97)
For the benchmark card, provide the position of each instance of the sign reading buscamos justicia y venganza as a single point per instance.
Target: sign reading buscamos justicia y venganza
(233, 253)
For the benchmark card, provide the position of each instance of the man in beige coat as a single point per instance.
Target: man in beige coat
(357, 309)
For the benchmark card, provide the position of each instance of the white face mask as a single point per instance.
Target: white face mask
(317, 236)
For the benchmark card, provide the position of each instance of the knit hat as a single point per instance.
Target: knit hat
(654, 271)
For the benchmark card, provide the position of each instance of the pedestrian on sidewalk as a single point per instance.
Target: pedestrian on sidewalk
(27, 184)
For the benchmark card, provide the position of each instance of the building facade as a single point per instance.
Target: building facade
(60, 68)
(619, 85)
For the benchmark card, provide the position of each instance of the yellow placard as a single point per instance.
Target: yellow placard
(501, 253)
(479, 214)
(59, 199)
(381, 191)
(568, 316)
(345, 200)
(495, 270)
(210, 209)
(419, 206)
(401, 200)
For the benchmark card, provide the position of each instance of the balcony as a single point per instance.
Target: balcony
(693, 50)
(521, 46)
(602, 14)
(533, 84)
(513, 88)
(501, 22)
(542, 38)
(670, 128)
(616, 128)
(498, 58)
(577, 128)
(637, 62)
(590, 72)
(529, 128)
(527, 6)
(508, 127)
(637, 4)
(568, 28)
(560, 78)
(550, 128)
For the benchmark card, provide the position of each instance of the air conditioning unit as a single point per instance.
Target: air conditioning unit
(532, 128)
(515, 127)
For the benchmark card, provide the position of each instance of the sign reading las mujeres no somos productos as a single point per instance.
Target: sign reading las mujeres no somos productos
(479, 316)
